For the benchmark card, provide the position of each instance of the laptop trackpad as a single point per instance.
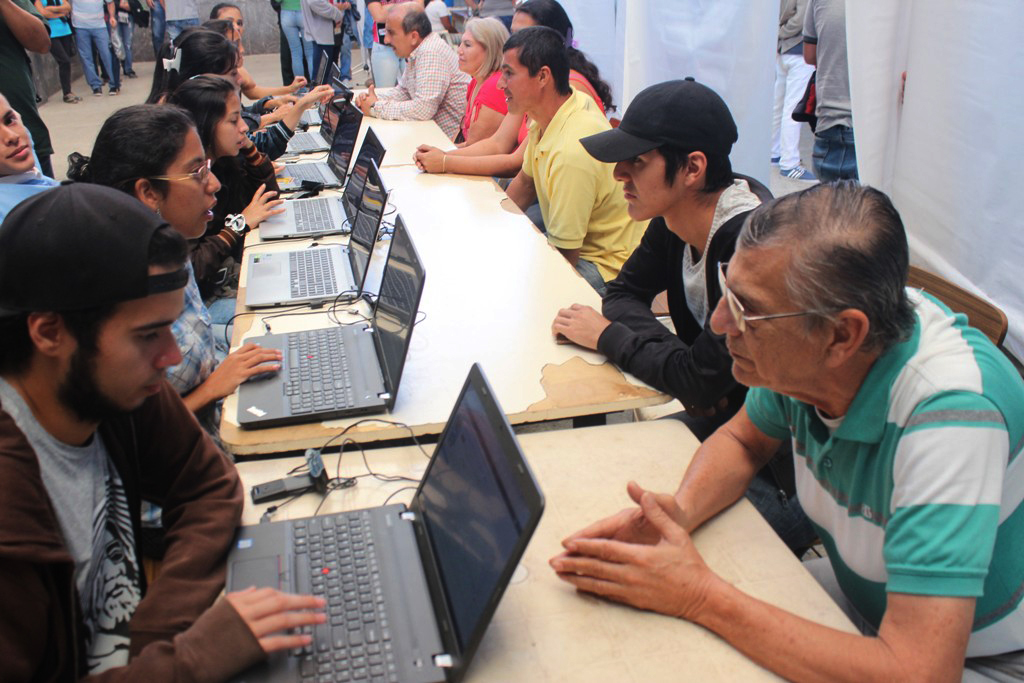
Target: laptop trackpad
(266, 268)
(260, 572)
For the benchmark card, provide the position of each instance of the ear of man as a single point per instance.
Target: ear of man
(847, 333)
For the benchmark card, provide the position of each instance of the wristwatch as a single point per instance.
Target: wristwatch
(236, 222)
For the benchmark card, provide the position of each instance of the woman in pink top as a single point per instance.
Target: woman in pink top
(480, 57)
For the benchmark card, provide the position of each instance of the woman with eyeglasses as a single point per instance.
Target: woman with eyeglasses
(153, 152)
(249, 189)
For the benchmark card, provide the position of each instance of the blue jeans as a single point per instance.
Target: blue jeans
(386, 66)
(158, 26)
(589, 272)
(127, 31)
(300, 48)
(87, 39)
(176, 26)
(835, 156)
(345, 58)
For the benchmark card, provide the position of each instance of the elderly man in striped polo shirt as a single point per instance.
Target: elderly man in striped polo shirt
(907, 428)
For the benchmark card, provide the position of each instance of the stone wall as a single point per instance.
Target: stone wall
(261, 37)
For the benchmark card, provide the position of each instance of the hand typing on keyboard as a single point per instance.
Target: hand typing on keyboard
(242, 364)
(269, 613)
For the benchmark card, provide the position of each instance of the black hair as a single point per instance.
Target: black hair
(202, 52)
(551, 14)
(538, 47)
(416, 20)
(225, 27)
(223, 5)
(205, 99)
(717, 175)
(140, 141)
(167, 248)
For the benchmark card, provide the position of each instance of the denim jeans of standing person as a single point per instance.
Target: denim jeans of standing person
(157, 24)
(127, 31)
(345, 59)
(386, 66)
(87, 39)
(835, 156)
(176, 26)
(301, 49)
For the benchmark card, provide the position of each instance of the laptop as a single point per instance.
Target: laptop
(327, 215)
(435, 571)
(319, 141)
(342, 370)
(313, 117)
(314, 274)
(371, 152)
(330, 173)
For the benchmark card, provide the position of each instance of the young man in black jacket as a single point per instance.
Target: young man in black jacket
(671, 151)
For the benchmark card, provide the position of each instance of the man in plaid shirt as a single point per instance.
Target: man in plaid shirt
(432, 86)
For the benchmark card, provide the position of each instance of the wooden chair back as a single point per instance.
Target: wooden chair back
(980, 313)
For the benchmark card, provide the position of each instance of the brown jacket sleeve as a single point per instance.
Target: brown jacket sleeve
(183, 471)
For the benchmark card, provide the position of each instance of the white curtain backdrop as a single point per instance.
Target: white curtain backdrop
(727, 44)
(950, 156)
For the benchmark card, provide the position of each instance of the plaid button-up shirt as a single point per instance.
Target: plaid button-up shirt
(432, 87)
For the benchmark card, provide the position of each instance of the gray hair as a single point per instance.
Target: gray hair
(848, 250)
(492, 34)
(416, 20)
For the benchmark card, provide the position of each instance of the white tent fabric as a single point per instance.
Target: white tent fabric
(727, 44)
(950, 155)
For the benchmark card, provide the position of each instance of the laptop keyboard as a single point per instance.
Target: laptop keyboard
(312, 216)
(311, 273)
(337, 555)
(305, 141)
(318, 372)
(310, 172)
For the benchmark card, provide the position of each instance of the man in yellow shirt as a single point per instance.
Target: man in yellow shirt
(584, 210)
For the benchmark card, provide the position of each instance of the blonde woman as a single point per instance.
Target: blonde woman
(480, 57)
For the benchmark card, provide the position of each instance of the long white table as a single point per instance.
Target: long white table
(544, 630)
(493, 286)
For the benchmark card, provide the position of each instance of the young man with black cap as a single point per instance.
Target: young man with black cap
(671, 151)
(88, 429)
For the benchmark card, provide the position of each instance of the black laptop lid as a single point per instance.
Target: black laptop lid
(394, 314)
(478, 505)
(366, 225)
(345, 133)
(370, 150)
(330, 121)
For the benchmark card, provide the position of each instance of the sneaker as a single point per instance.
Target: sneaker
(775, 160)
(97, 92)
(797, 173)
(132, 74)
(114, 91)
(72, 98)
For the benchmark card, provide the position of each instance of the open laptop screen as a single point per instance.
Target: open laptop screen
(401, 286)
(345, 133)
(371, 149)
(330, 120)
(366, 224)
(479, 504)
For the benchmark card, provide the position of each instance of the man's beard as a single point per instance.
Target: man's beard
(80, 392)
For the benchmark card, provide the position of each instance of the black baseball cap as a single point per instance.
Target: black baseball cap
(684, 113)
(79, 246)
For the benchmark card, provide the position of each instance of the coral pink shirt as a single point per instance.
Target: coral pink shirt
(488, 96)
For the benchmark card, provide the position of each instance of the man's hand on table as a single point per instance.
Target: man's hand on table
(366, 100)
(581, 325)
(645, 559)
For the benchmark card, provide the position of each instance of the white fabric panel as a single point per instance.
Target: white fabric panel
(954, 148)
(595, 26)
(727, 44)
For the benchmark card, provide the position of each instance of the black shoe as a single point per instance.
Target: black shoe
(132, 74)
(97, 91)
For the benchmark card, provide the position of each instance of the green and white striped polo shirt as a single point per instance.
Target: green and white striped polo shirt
(919, 489)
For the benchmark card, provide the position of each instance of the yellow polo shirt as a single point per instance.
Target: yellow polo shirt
(582, 204)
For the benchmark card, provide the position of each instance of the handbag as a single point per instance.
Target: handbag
(140, 15)
(805, 108)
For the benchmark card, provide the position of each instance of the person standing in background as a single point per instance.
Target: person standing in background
(180, 15)
(835, 156)
(91, 34)
(385, 66)
(23, 28)
(126, 29)
(300, 49)
(58, 15)
(157, 24)
(499, 9)
(791, 76)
